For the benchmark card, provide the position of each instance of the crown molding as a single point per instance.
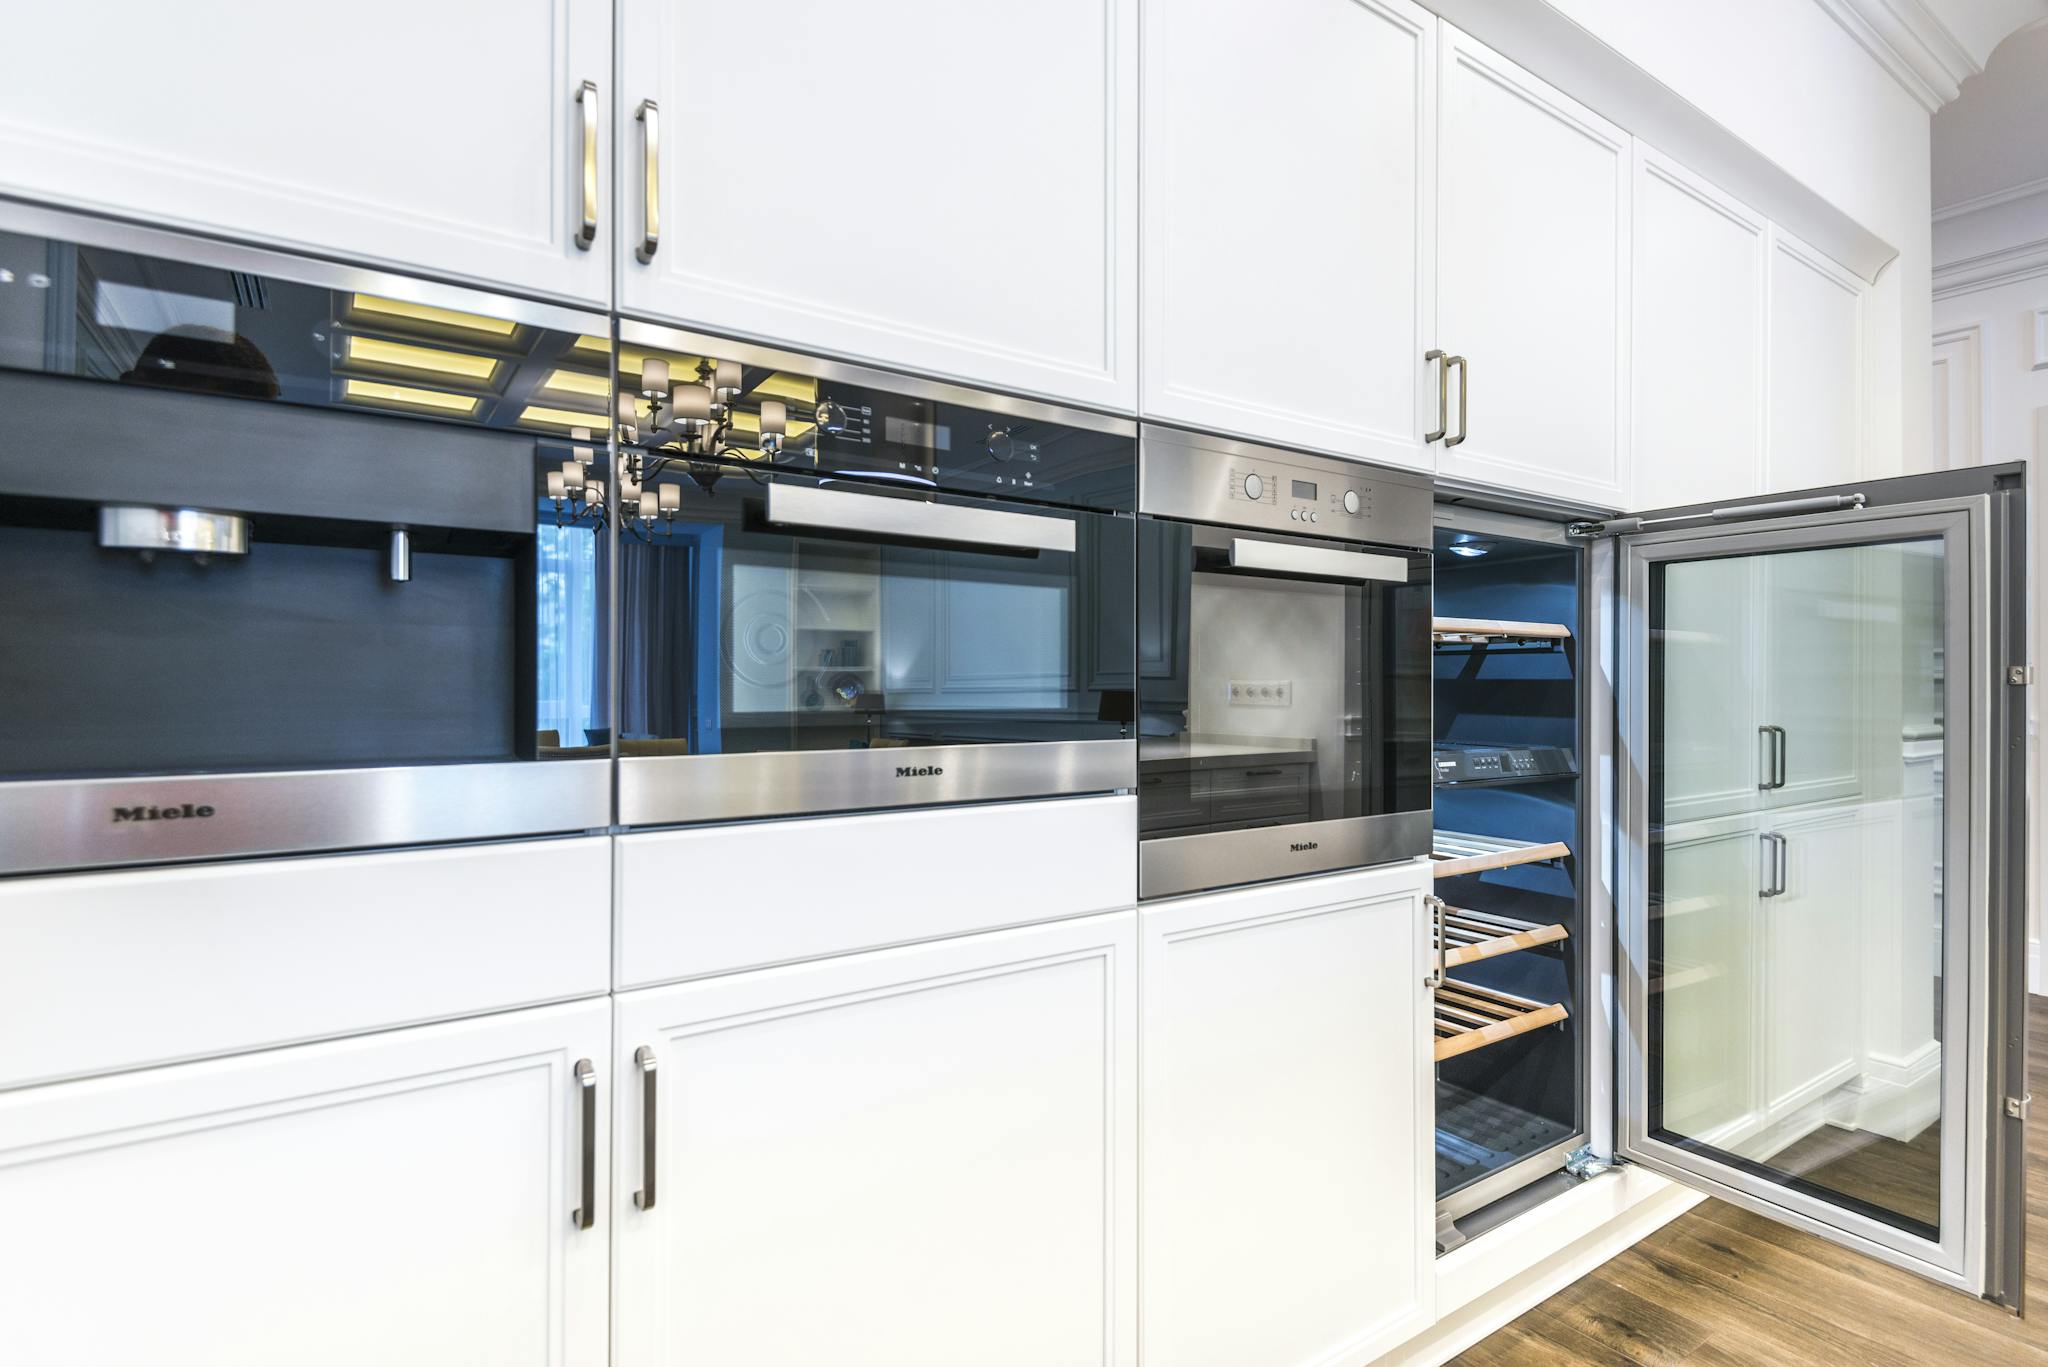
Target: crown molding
(2009, 195)
(2027, 261)
(1911, 43)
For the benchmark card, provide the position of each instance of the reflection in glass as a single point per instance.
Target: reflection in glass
(1796, 908)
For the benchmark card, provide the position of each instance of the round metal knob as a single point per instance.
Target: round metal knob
(1351, 501)
(1254, 488)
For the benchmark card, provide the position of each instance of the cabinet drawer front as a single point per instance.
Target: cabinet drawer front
(718, 898)
(118, 970)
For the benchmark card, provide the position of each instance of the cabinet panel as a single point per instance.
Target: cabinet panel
(912, 1158)
(1707, 742)
(1708, 978)
(1289, 221)
(1817, 682)
(1698, 340)
(1816, 363)
(402, 1198)
(1532, 288)
(1289, 1185)
(949, 188)
(1811, 1016)
(457, 151)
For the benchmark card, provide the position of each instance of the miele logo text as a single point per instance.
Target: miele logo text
(124, 814)
(1302, 846)
(913, 771)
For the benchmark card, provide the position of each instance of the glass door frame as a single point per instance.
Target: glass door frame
(1972, 1202)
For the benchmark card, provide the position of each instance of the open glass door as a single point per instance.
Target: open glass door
(1822, 885)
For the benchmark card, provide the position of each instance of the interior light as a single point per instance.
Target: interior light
(405, 396)
(458, 365)
(540, 415)
(578, 382)
(478, 323)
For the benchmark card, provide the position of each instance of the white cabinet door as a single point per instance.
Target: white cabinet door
(1707, 738)
(401, 1199)
(1532, 281)
(1697, 341)
(944, 187)
(1288, 1152)
(1816, 369)
(918, 1157)
(446, 138)
(1819, 684)
(1706, 968)
(1289, 221)
(1811, 1014)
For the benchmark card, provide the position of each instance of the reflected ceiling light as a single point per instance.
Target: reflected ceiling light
(481, 324)
(454, 365)
(405, 396)
(578, 382)
(1470, 549)
(541, 415)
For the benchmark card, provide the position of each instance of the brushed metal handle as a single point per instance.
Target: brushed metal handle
(1784, 865)
(1778, 864)
(1323, 562)
(585, 1214)
(1464, 391)
(587, 112)
(1436, 975)
(649, 1097)
(1443, 393)
(649, 117)
(1774, 761)
(840, 510)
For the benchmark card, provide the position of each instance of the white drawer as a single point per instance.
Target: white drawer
(714, 899)
(116, 970)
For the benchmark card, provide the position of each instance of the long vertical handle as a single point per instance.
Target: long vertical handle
(1784, 866)
(1774, 845)
(649, 116)
(587, 112)
(1443, 393)
(1773, 763)
(1464, 392)
(1778, 770)
(649, 1097)
(585, 1214)
(1436, 975)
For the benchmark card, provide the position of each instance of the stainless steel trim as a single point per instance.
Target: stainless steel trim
(401, 556)
(648, 115)
(1439, 909)
(635, 332)
(182, 531)
(659, 790)
(808, 505)
(1443, 393)
(1326, 562)
(1464, 393)
(1171, 865)
(53, 824)
(585, 1214)
(37, 220)
(1789, 507)
(650, 1103)
(1199, 477)
(587, 115)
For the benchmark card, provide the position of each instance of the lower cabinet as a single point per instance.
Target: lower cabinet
(915, 1157)
(1288, 1152)
(402, 1199)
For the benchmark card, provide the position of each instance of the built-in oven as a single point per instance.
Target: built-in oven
(842, 589)
(1284, 667)
(297, 556)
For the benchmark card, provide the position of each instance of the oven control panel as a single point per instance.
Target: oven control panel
(1216, 479)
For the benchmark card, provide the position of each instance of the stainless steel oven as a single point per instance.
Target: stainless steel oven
(282, 567)
(842, 589)
(1284, 667)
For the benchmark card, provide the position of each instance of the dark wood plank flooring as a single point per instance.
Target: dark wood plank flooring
(1719, 1286)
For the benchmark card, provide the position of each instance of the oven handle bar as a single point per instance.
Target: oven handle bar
(804, 505)
(1281, 557)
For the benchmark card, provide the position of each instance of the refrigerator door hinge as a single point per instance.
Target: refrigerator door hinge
(2019, 676)
(1583, 1163)
(2016, 1107)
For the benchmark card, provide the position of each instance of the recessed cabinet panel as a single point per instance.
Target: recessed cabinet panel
(1816, 359)
(1532, 281)
(1698, 364)
(1289, 206)
(950, 188)
(403, 1199)
(446, 137)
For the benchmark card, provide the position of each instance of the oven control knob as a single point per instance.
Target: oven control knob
(1351, 501)
(1254, 488)
(1312, 517)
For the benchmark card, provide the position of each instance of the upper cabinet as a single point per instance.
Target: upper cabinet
(1532, 282)
(1816, 359)
(1698, 365)
(465, 138)
(944, 187)
(1289, 158)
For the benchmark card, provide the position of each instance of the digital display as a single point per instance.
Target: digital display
(1303, 489)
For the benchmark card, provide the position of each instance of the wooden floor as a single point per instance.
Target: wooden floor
(1719, 1286)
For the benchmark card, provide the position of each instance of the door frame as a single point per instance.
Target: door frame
(1980, 1247)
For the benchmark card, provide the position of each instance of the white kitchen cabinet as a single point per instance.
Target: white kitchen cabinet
(1289, 153)
(1710, 748)
(1816, 369)
(1708, 973)
(1811, 1017)
(1697, 367)
(1532, 258)
(916, 1157)
(1816, 678)
(446, 138)
(403, 1198)
(1288, 1111)
(943, 187)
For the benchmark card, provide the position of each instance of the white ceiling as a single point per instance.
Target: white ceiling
(1995, 136)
